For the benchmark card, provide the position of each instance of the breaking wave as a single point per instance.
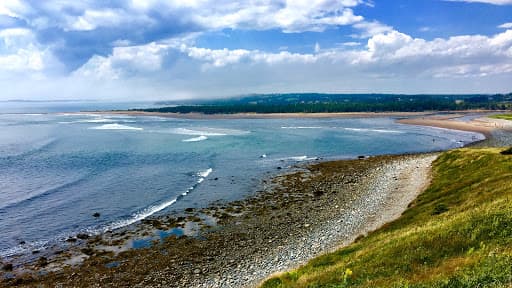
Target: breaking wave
(116, 126)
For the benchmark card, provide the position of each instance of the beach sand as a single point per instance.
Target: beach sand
(484, 125)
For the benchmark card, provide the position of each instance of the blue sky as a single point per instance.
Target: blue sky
(176, 49)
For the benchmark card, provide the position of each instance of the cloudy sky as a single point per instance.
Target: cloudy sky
(177, 49)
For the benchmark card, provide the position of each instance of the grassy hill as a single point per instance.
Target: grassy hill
(458, 233)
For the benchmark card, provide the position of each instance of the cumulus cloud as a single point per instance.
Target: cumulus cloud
(390, 51)
(506, 25)
(118, 49)
(369, 29)
(78, 30)
(20, 53)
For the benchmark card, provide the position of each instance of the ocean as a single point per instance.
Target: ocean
(58, 169)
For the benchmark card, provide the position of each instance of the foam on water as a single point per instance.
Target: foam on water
(156, 208)
(115, 126)
(302, 127)
(134, 218)
(205, 173)
(297, 158)
(373, 130)
(206, 131)
(78, 114)
(99, 120)
(196, 139)
(185, 131)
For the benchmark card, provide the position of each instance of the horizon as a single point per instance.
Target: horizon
(181, 50)
(247, 95)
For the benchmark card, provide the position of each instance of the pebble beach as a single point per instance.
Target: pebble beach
(297, 215)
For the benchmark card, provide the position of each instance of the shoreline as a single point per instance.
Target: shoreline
(480, 124)
(261, 235)
(284, 115)
(231, 228)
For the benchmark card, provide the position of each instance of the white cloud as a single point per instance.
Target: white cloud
(289, 16)
(391, 51)
(92, 19)
(13, 8)
(125, 61)
(286, 15)
(494, 2)
(369, 29)
(166, 62)
(20, 53)
(23, 60)
(506, 25)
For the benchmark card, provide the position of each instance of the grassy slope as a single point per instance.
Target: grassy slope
(502, 116)
(458, 233)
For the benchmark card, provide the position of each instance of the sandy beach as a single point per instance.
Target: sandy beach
(484, 125)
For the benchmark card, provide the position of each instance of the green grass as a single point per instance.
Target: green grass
(458, 233)
(502, 116)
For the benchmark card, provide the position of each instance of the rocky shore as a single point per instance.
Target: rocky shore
(295, 217)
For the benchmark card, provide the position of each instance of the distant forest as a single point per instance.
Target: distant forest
(318, 103)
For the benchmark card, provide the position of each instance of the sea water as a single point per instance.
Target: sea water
(58, 169)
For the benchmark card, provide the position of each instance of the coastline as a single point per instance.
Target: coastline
(482, 124)
(262, 115)
(448, 123)
(261, 235)
(290, 115)
(227, 251)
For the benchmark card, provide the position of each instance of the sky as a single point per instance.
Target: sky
(181, 49)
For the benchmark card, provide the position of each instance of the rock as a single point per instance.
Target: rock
(318, 193)
(197, 271)
(42, 261)
(96, 215)
(7, 267)
(71, 239)
(279, 168)
(82, 236)
(22, 242)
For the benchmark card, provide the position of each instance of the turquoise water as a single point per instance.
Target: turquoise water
(57, 170)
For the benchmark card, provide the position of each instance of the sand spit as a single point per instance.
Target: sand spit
(484, 125)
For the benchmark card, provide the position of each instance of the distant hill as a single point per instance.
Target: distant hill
(317, 103)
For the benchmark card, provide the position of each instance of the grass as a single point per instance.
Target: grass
(458, 233)
(502, 116)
